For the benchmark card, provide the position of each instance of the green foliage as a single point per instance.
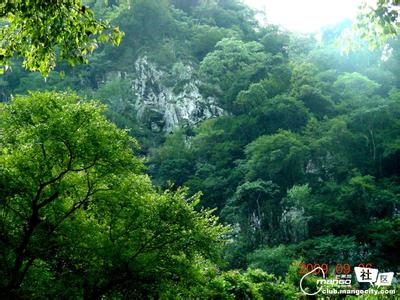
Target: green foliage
(280, 157)
(315, 101)
(355, 88)
(232, 14)
(360, 199)
(376, 25)
(204, 38)
(78, 219)
(43, 33)
(303, 163)
(254, 207)
(233, 65)
(173, 159)
(297, 195)
(270, 111)
(274, 39)
(331, 250)
(274, 260)
(252, 284)
(384, 235)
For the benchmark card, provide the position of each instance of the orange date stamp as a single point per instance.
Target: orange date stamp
(324, 268)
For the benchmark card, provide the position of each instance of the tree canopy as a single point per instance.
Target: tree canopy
(282, 150)
(43, 32)
(78, 217)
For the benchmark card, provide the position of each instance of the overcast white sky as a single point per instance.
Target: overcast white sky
(306, 15)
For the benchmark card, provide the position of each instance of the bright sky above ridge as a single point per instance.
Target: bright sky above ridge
(306, 15)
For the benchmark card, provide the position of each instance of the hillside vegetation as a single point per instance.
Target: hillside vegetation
(226, 154)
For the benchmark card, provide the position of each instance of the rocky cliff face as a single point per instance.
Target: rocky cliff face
(165, 100)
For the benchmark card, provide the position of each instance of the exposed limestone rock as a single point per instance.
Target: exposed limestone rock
(294, 224)
(162, 107)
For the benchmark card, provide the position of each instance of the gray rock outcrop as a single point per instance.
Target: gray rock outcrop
(164, 106)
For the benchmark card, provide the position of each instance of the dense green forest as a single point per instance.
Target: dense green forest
(205, 157)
